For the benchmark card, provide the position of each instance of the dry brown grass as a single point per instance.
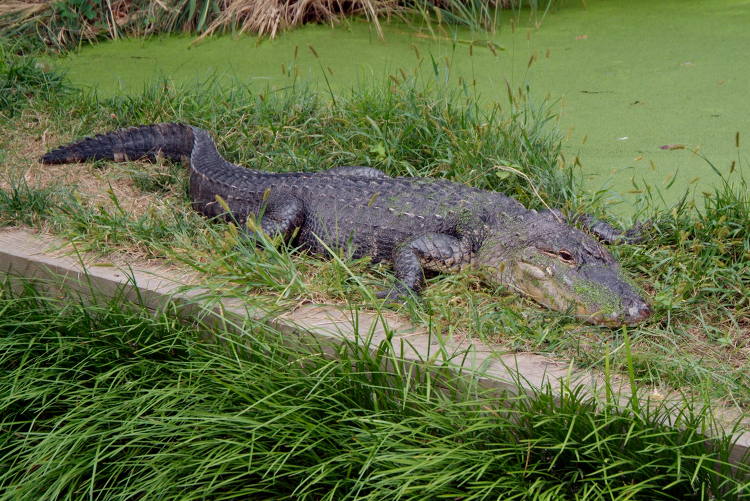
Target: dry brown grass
(268, 17)
(263, 17)
(65, 25)
(93, 183)
(25, 9)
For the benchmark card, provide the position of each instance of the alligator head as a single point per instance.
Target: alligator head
(563, 268)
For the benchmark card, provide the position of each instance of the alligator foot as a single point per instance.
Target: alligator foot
(607, 234)
(398, 294)
(604, 232)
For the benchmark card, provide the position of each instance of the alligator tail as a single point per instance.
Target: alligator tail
(169, 140)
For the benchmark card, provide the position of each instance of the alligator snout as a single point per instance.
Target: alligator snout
(636, 312)
(633, 312)
(611, 298)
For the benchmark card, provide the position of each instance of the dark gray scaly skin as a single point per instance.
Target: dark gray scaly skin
(416, 223)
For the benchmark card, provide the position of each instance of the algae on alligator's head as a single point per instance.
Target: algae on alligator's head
(598, 296)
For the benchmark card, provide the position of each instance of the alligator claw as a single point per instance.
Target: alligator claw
(398, 294)
(635, 234)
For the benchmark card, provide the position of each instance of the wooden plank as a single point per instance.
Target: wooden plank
(34, 257)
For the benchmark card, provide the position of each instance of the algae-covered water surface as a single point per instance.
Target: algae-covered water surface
(639, 85)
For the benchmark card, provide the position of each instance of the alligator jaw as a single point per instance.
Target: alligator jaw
(633, 315)
(596, 294)
(591, 301)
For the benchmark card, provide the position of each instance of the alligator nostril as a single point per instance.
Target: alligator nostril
(636, 311)
(646, 309)
(642, 312)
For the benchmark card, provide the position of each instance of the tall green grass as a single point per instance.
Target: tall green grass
(702, 246)
(112, 401)
(24, 79)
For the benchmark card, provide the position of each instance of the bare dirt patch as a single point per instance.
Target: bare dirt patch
(96, 183)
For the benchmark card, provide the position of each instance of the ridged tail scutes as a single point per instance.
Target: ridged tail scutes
(173, 141)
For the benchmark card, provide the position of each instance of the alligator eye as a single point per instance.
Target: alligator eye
(566, 257)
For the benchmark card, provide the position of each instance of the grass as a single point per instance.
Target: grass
(22, 79)
(112, 401)
(161, 381)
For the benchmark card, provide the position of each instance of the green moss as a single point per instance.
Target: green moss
(596, 293)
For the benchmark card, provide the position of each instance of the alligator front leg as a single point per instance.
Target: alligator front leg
(434, 252)
(604, 232)
(607, 234)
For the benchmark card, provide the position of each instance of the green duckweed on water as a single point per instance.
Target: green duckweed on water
(630, 79)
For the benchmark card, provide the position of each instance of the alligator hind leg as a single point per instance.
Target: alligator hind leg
(282, 217)
(434, 252)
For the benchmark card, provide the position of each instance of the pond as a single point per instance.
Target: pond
(636, 77)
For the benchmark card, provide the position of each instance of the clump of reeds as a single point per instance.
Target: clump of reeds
(271, 16)
(66, 23)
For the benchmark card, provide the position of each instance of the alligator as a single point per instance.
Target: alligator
(418, 224)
